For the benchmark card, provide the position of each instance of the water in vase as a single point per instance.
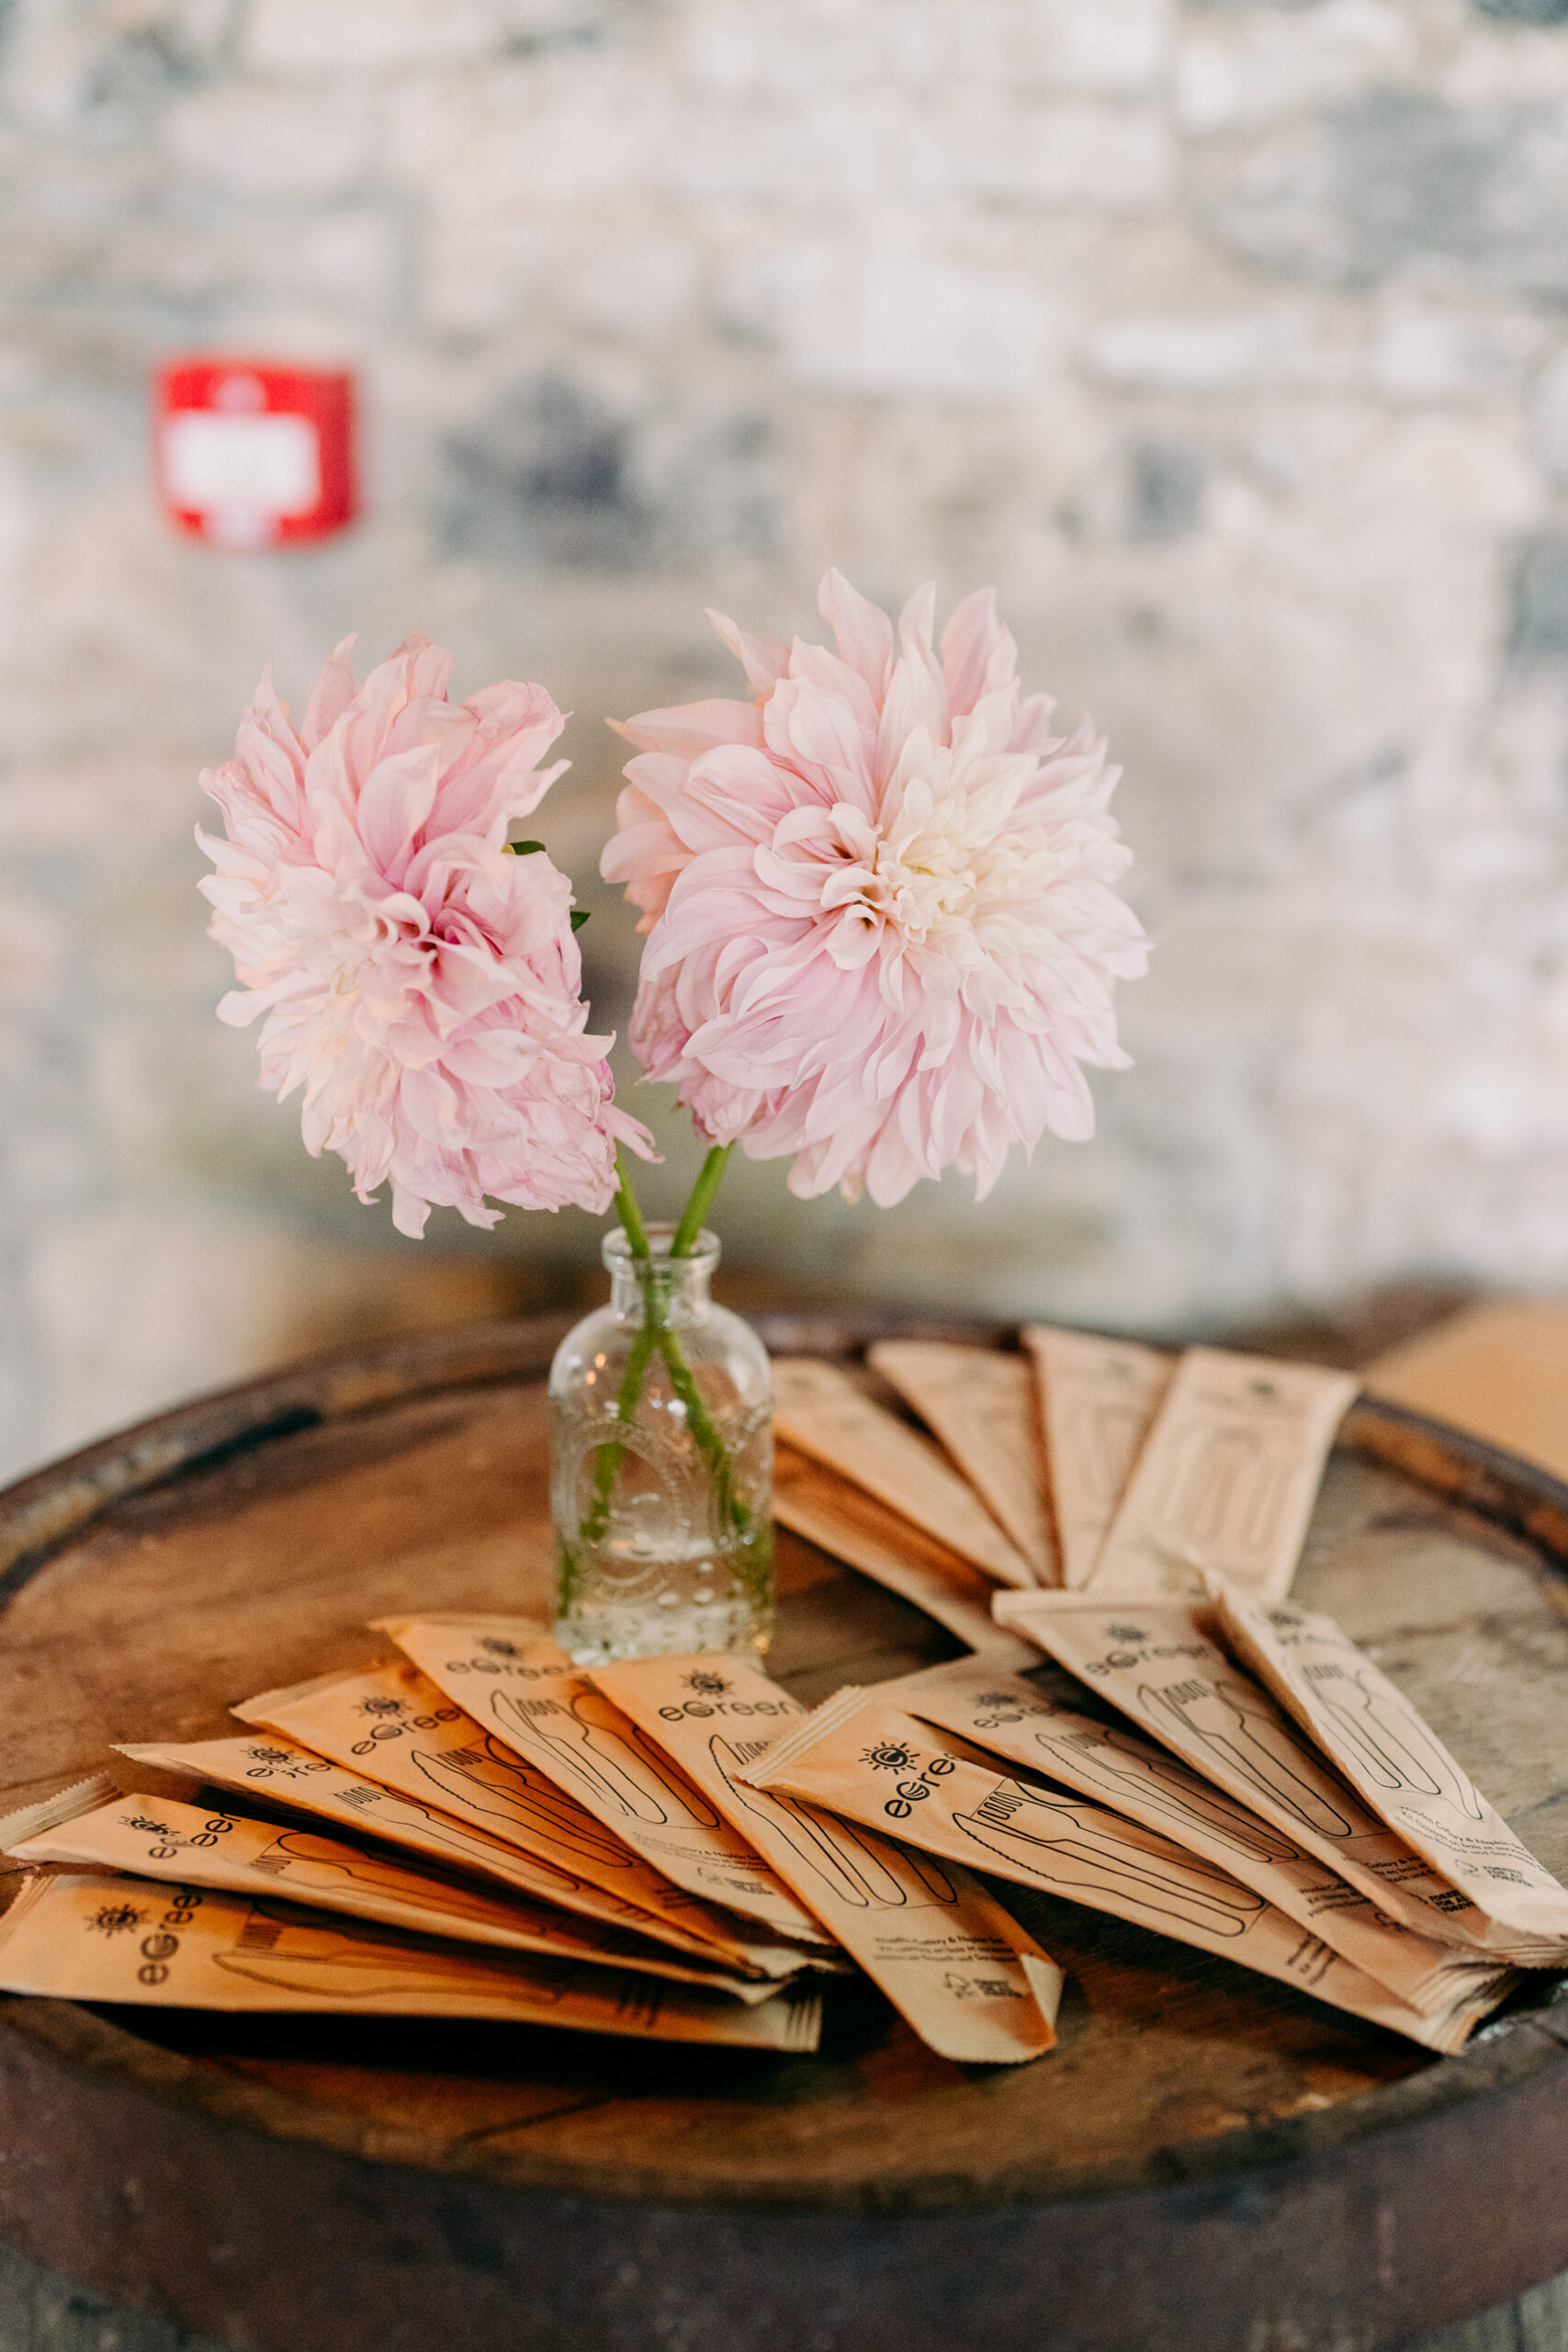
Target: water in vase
(662, 1465)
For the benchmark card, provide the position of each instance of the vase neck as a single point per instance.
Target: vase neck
(676, 1288)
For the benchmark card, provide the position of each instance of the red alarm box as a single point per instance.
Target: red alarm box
(253, 455)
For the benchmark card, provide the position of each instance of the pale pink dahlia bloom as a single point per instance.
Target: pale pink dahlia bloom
(419, 983)
(883, 930)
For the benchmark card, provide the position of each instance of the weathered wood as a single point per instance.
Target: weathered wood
(42, 2312)
(1208, 2162)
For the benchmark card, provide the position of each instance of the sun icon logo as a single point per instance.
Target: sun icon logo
(495, 1647)
(269, 1755)
(382, 1707)
(706, 1684)
(115, 1919)
(890, 1755)
(995, 1699)
(1127, 1634)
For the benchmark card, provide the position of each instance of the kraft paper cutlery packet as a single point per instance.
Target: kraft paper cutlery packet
(1133, 1776)
(822, 1410)
(862, 1756)
(1098, 1400)
(519, 1684)
(393, 1725)
(121, 1939)
(392, 1722)
(968, 1979)
(1159, 1667)
(982, 1404)
(1399, 1767)
(191, 1845)
(1225, 1479)
(281, 1772)
(854, 1526)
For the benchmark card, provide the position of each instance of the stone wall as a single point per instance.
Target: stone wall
(1229, 340)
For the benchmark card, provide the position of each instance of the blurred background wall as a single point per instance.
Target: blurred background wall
(1230, 341)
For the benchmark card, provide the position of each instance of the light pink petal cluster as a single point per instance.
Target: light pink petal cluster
(883, 926)
(420, 984)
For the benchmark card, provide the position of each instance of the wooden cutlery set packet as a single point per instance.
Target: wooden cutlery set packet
(673, 1849)
(1235, 1773)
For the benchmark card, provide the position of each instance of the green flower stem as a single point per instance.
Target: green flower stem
(710, 1444)
(627, 1207)
(659, 1333)
(694, 1213)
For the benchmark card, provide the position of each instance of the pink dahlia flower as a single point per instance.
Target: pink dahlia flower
(419, 983)
(883, 930)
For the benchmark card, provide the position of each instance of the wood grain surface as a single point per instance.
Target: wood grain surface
(1208, 2160)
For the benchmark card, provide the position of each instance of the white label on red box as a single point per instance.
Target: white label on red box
(251, 470)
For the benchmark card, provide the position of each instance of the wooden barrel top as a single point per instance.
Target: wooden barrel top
(1208, 2160)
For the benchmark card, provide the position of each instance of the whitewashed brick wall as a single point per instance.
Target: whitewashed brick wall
(1230, 340)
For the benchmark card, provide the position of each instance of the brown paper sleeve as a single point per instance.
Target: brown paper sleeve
(822, 1409)
(1398, 1766)
(1226, 1478)
(1141, 1781)
(201, 1846)
(1098, 1397)
(1160, 1667)
(125, 1939)
(972, 1983)
(982, 1404)
(400, 1727)
(861, 1757)
(854, 1527)
(541, 1708)
(278, 1771)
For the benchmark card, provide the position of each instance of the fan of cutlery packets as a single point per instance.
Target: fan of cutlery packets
(673, 1849)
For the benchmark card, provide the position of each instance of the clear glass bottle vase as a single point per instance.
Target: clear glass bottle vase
(661, 1456)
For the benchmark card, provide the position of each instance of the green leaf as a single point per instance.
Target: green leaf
(524, 849)
(580, 916)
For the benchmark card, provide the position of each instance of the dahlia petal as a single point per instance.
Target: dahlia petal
(764, 660)
(268, 765)
(492, 1057)
(652, 857)
(331, 695)
(446, 729)
(1031, 725)
(745, 788)
(891, 1171)
(971, 635)
(693, 728)
(410, 1213)
(269, 717)
(862, 631)
(814, 666)
(916, 704)
(916, 624)
(395, 799)
(426, 668)
(496, 777)
(792, 878)
(237, 1009)
(659, 777)
(817, 734)
(851, 943)
(416, 673)
(633, 1133)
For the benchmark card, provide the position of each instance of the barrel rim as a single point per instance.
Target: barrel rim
(54, 1504)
